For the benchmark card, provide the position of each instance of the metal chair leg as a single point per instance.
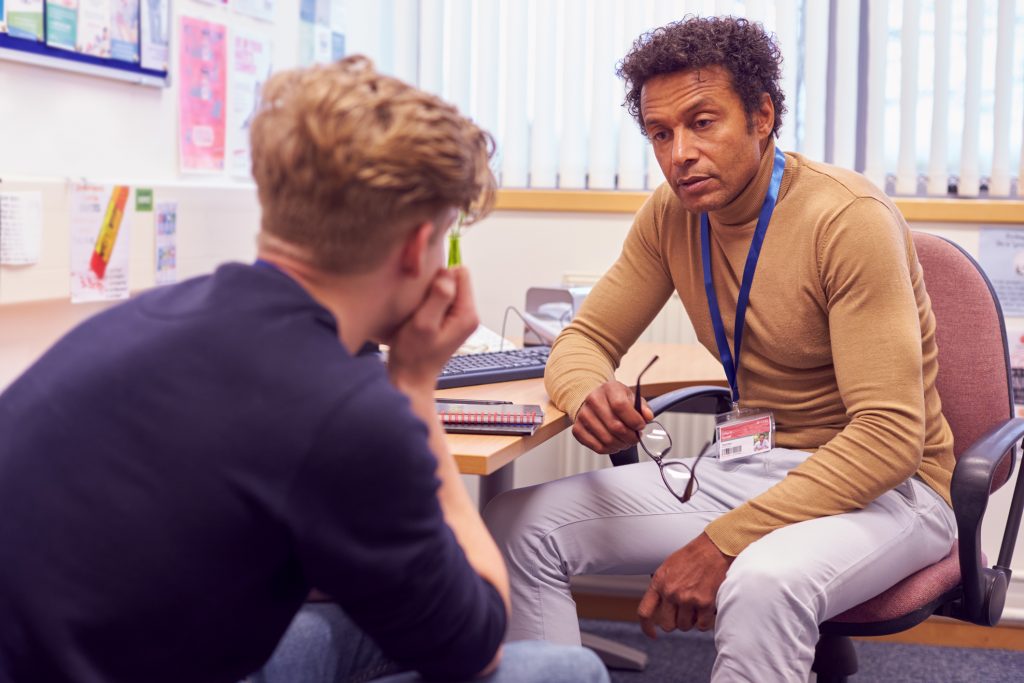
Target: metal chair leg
(615, 655)
(834, 659)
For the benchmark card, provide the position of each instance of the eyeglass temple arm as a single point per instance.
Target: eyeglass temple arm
(704, 400)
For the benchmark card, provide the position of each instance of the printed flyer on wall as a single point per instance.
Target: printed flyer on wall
(1001, 255)
(21, 228)
(250, 67)
(25, 19)
(99, 242)
(62, 23)
(156, 30)
(124, 31)
(94, 27)
(202, 87)
(258, 9)
(3, 18)
(166, 243)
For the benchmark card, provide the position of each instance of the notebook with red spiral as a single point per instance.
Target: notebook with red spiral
(489, 418)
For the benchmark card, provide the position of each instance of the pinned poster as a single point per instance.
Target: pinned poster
(99, 242)
(250, 68)
(155, 31)
(124, 31)
(258, 9)
(62, 23)
(21, 228)
(25, 19)
(201, 104)
(94, 27)
(1001, 254)
(166, 243)
(3, 18)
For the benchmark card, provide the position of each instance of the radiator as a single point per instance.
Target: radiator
(689, 432)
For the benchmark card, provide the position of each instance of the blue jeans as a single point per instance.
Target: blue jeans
(323, 645)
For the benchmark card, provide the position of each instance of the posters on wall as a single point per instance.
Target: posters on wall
(1001, 254)
(320, 31)
(62, 23)
(258, 9)
(25, 19)
(1015, 342)
(99, 242)
(3, 18)
(94, 27)
(202, 85)
(124, 30)
(155, 31)
(21, 228)
(166, 243)
(250, 67)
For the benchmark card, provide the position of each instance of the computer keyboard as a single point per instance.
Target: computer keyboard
(496, 366)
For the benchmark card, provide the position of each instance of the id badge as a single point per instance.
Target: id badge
(744, 432)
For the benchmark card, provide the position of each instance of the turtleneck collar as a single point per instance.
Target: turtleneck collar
(745, 207)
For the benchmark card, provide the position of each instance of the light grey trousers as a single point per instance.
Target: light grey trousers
(624, 521)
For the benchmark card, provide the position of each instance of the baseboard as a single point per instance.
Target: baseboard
(936, 631)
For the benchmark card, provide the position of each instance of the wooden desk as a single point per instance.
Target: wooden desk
(490, 456)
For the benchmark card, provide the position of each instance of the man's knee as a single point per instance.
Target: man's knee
(537, 661)
(757, 589)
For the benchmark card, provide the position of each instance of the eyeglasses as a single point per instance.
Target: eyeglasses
(680, 479)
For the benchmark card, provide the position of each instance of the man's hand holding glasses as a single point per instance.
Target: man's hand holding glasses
(610, 418)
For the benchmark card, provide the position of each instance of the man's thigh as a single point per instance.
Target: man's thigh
(835, 563)
(624, 520)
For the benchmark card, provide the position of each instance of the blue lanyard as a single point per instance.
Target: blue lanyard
(731, 361)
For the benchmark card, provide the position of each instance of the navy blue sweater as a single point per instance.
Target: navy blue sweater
(179, 471)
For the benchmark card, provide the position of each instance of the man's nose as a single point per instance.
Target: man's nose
(684, 149)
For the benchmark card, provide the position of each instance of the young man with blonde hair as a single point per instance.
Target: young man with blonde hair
(179, 472)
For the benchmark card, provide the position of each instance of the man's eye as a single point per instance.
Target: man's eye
(659, 136)
(702, 123)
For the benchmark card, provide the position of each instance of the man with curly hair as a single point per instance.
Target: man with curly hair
(180, 471)
(831, 345)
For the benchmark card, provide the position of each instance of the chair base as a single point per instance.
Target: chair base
(835, 660)
(615, 655)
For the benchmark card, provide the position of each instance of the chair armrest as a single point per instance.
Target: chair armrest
(984, 588)
(699, 399)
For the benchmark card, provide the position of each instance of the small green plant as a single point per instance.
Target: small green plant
(454, 241)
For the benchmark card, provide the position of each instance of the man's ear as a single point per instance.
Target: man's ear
(415, 246)
(764, 116)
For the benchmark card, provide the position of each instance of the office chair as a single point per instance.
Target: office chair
(974, 385)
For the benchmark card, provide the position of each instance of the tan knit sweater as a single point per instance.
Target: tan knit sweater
(839, 339)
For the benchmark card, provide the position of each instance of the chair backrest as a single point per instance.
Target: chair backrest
(974, 368)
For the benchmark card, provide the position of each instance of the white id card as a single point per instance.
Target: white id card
(744, 432)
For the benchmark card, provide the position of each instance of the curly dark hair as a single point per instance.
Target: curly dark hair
(744, 49)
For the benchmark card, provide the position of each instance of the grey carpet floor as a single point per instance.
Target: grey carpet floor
(688, 657)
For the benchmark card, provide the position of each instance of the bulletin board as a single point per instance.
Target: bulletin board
(130, 42)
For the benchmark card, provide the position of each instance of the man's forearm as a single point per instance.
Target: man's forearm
(459, 511)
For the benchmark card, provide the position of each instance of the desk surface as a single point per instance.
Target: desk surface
(679, 366)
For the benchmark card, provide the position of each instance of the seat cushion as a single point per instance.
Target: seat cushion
(910, 594)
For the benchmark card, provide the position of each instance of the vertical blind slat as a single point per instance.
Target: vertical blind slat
(543, 140)
(970, 180)
(431, 66)
(572, 162)
(874, 148)
(606, 98)
(405, 49)
(515, 131)
(632, 146)
(938, 165)
(786, 31)
(815, 78)
(1000, 182)
(457, 32)
(844, 116)
(486, 63)
(906, 167)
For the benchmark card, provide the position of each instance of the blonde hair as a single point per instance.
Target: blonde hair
(347, 161)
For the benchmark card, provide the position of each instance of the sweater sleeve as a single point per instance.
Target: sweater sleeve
(865, 258)
(370, 533)
(619, 308)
